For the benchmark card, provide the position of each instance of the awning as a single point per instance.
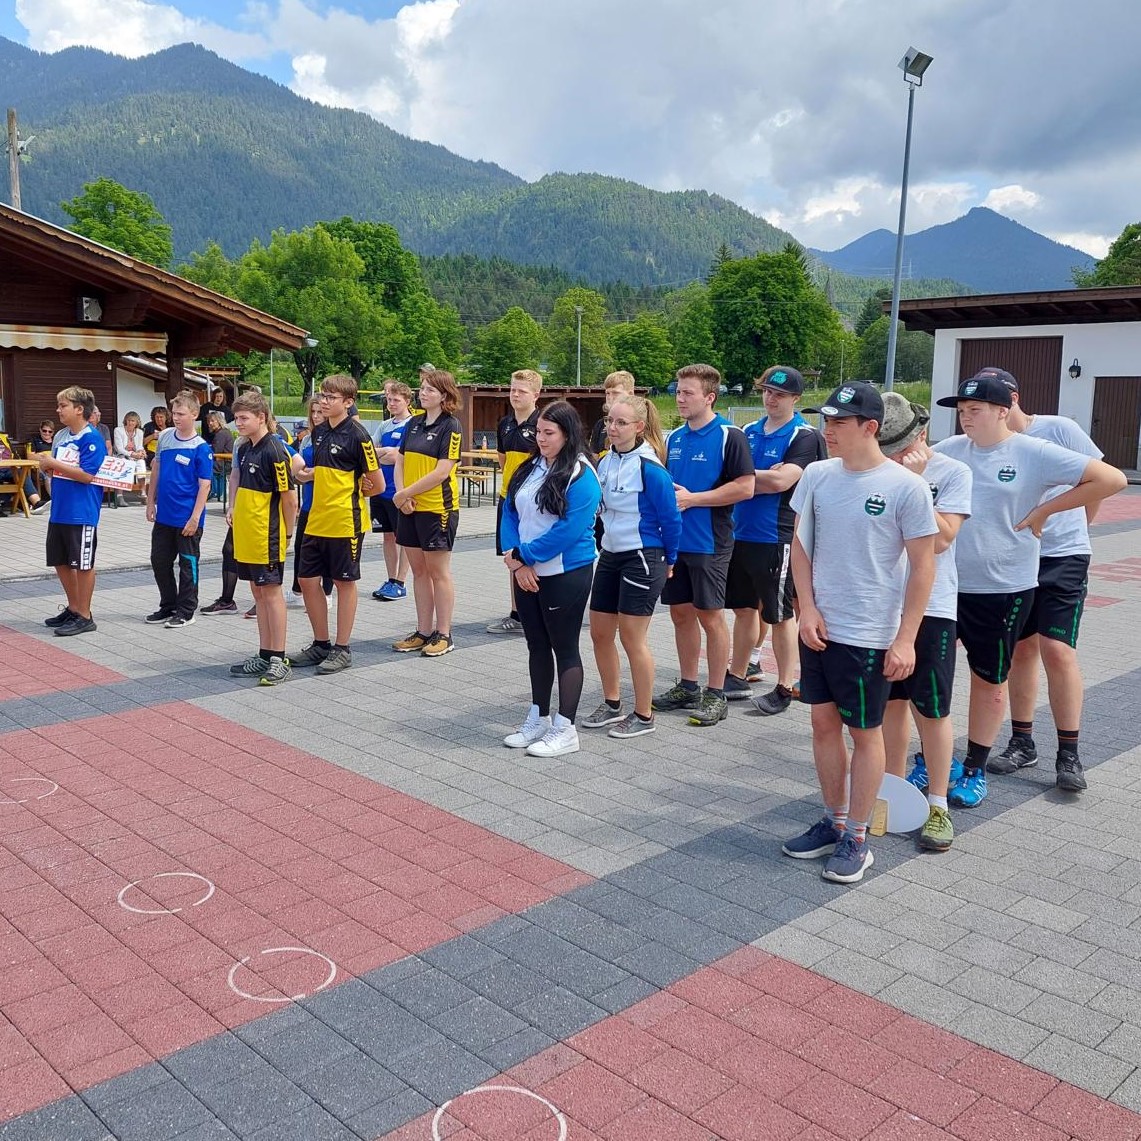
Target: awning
(80, 340)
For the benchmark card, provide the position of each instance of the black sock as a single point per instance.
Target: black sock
(714, 692)
(514, 615)
(265, 655)
(1023, 730)
(644, 720)
(397, 581)
(613, 704)
(1068, 741)
(976, 756)
(689, 686)
(325, 645)
(338, 646)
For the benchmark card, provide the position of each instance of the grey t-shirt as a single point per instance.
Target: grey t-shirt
(1010, 480)
(950, 483)
(861, 520)
(1066, 533)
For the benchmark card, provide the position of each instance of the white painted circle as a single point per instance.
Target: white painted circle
(555, 1112)
(274, 951)
(19, 780)
(164, 910)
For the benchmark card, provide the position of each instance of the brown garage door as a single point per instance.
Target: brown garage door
(1116, 423)
(1035, 361)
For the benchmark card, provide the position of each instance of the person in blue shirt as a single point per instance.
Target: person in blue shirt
(759, 589)
(709, 461)
(176, 504)
(78, 452)
(547, 532)
(641, 527)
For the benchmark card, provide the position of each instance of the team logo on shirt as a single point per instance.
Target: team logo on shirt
(698, 457)
(845, 395)
(1007, 474)
(875, 505)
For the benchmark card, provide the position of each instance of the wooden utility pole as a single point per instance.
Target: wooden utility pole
(14, 157)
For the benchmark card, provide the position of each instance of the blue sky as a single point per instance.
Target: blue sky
(796, 111)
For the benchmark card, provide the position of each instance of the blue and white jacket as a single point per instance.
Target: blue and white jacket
(552, 544)
(639, 504)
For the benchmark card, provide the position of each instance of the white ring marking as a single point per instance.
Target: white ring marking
(164, 910)
(555, 1112)
(273, 951)
(16, 780)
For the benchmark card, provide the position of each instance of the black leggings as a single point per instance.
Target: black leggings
(229, 568)
(552, 622)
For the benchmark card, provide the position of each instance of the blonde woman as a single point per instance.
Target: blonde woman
(641, 527)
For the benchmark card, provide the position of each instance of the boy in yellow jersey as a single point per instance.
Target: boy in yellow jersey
(344, 473)
(262, 511)
(515, 442)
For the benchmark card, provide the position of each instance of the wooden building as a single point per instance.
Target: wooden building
(1075, 352)
(70, 308)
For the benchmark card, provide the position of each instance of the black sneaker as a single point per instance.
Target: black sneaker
(77, 625)
(711, 709)
(312, 655)
(177, 622)
(61, 619)
(1020, 753)
(676, 697)
(777, 700)
(1071, 776)
(159, 617)
(220, 607)
(735, 688)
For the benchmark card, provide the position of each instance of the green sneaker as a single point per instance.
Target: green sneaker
(938, 833)
(276, 672)
(710, 709)
(676, 697)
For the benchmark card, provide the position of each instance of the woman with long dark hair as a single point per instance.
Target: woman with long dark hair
(548, 534)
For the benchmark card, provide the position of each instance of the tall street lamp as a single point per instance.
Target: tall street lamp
(913, 65)
(578, 357)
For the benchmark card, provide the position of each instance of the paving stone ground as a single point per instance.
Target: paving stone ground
(341, 909)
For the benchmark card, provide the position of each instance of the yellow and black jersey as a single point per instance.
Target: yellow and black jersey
(423, 446)
(259, 523)
(516, 443)
(341, 456)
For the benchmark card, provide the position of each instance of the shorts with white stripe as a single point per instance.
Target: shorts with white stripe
(629, 582)
(72, 545)
(760, 578)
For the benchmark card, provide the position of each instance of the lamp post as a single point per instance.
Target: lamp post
(913, 65)
(578, 357)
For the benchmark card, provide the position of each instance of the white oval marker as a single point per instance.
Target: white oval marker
(274, 951)
(555, 1113)
(164, 910)
(17, 780)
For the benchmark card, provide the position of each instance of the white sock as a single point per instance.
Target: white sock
(755, 656)
(561, 722)
(937, 801)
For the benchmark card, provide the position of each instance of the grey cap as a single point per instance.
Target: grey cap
(427, 366)
(902, 423)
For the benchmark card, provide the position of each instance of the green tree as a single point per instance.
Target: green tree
(212, 269)
(872, 309)
(643, 347)
(513, 342)
(1120, 266)
(689, 321)
(914, 352)
(389, 269)
(766, 310)
(562, 338)
(123, 219)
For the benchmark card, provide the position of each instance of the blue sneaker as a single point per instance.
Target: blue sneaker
(820, 840)
(918, 774)
(849, 862)
(969, 790)
(957, 771)
(390, 591)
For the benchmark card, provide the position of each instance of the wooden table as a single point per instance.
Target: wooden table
(20, 468)
(482, 458)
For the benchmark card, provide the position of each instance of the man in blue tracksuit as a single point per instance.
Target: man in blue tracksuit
(712, 469)
(759, 589)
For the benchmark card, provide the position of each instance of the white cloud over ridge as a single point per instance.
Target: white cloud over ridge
(796, 112)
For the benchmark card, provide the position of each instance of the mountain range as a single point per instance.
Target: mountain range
(228, 155)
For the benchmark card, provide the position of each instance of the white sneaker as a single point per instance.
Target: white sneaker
(532, 730)
(556, 742)
(294, 600)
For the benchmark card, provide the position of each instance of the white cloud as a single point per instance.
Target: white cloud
(1096, 245)
(1013, 199)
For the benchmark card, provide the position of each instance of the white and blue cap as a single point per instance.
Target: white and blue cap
(859, 398)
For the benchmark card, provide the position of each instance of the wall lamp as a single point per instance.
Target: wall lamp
(1075, 370)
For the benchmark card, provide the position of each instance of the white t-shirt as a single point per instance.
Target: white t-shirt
(950, 483)
(1066, 533)
(861, 520)
(1010, 480)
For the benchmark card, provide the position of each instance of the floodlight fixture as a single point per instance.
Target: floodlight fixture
(914, 64)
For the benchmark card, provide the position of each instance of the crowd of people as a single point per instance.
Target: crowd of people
(866, 553)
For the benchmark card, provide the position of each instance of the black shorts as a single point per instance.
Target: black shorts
(498, 526)
(629, 582)
(324, 557)
(72, 545)
(760, 578)
(384, 514)
(699, 579)
(428, 530)
(1056, 613)
(929, 687)
(849, 677)
(989, 626)
(262, 574)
